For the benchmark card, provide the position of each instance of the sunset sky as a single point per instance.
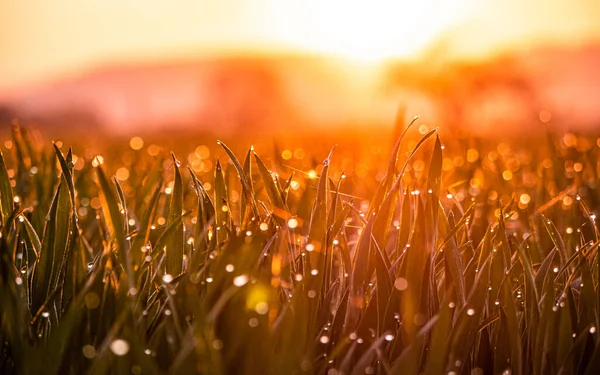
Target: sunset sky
(41, 40)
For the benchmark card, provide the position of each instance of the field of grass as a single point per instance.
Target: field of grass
(404, 258)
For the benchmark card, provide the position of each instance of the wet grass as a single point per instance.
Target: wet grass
(479, 258)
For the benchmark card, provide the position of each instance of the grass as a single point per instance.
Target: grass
(459, 260)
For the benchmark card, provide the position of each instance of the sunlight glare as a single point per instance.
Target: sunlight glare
(371, 31)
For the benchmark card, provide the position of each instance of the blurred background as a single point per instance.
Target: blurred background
(273, 66)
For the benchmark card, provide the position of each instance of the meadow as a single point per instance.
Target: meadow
(426, 254)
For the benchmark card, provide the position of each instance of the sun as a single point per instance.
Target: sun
(370, 30)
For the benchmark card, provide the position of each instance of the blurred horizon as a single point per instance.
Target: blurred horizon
(239, 64)
(45, 40)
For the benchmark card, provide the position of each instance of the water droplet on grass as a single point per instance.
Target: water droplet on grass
(401, 283)
(120, 347)
(240, 280)
(89, 351)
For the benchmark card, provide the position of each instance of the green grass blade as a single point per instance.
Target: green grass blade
(391, 171)
(112, 215)
(271, 189)
(6, 193)
(244, 179)
(222, 208)
(175, 241)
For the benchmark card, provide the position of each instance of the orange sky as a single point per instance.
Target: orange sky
(43, 39)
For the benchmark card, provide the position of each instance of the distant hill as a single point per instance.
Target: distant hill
(283, 93)
(518, 92)
(227, 94)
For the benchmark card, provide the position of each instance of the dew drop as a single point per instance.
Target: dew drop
(240, 280)
(120, 347)
(401, 283)
(88, 351)
(217, 344)
(262, 308)
(292, 223)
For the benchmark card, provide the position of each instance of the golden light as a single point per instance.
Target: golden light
(100, 31)
(370, 30)
(292, 223)
(525, 198)
(122, 174)
(136, 143)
